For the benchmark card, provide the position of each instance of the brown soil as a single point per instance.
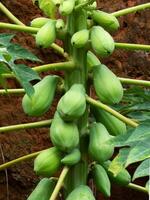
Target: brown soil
(21, 178)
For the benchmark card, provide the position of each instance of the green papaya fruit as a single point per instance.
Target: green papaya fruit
(72, 158)
(80, 38)
(112, 124)
(101, 180)
(66, 7)
(102, 42)
(99, 149)
(147, 185)
(73, 104)
(46, 34)
(43, 190)
(65, 136)
(108, 21)
(48, 162)
(107, 86)
(42, 98)
(60, 24)
(123, 177)
(39, 22)
(81, 192)
(92, 60)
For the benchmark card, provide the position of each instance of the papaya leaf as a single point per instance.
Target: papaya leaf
(48, 7)
(25, 74)
(142, 170)
(5, 39)
(18, 52)
(4, 68)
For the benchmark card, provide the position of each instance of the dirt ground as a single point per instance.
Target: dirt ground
(135, 28)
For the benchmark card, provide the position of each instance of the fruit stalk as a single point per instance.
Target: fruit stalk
(137, 188)
(132, 47)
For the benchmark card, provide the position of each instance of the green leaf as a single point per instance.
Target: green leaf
(142, 170)
(25, 74)
(5, 39)
(18, 52)
(48, 7)
(4, 68)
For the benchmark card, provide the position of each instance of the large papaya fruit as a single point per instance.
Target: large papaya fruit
(46, 34)
(73, 104)
(64, 135)
(101, 180)
(42, 98)
(107, 86)
(92, 60)
(102, 42)
(99, 149)
(80, 38)
(43, 190)
(122, 178)
(112, 124)
(106, 20)
(48, 162)
(39, 22)
(66, 7)
(72, 158)
(81, 192)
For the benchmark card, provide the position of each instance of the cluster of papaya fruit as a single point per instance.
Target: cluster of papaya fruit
(64, 131)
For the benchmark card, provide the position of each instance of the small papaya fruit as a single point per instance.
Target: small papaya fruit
(80, 38)
(99, 149)
(102, 42)
(42, 98)
(66, 7)
(147, 185)
(107, 85)
(65, 136)
(43, 190)
(123, 177)
(112, 124)
(92, 60)
(39, 22)
(73, 104)
(101, 180)
(81, 192)
(48, 162)
(72, 158)
(60, 24)
(108, 21)
(46, 34)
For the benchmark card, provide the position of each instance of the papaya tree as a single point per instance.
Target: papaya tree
(84, 131)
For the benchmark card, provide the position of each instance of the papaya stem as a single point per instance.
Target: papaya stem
(137, 187)
(17, 127)
(131, 47)
(134, 82)
(59, 183)
(131, 10)
(52, 66)
(98, 104)
(18, 160)
(10, 15)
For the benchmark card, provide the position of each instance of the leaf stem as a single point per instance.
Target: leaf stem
(18, 160)
(134, 82)
(137, 187)
(10, 15)
(59, 183)
(131, 47)
(12, 91)
(131, 10)
(98, 104)
(17, 127)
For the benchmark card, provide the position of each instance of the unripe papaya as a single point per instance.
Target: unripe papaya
(42, 98)
(48, 162)
(81, 192)
(43, 190)
(147, 186)
(64, 135)
(66, 7)
(39, 22)
(60, 24)
(80, 38)
(122, 178)
(101, 180)
(112, 124)
(92, 60)
(72, 158)
(99, 149)
(107, 86)
(106, 20)
(102, 42)
(73, 104)
(46, 35)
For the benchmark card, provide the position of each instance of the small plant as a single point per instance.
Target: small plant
(84, 132)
